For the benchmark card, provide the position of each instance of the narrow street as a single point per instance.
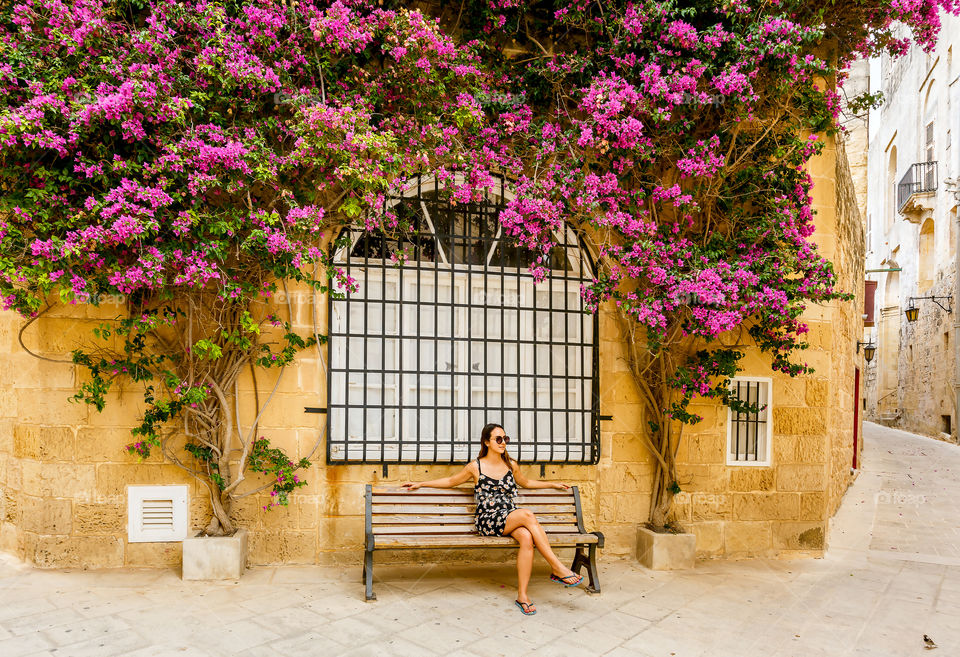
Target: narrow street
(891, 575)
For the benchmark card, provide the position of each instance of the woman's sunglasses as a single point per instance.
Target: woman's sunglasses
(501, 439)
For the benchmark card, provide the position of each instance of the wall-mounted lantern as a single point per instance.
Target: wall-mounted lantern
(912, 312)
(869, 349)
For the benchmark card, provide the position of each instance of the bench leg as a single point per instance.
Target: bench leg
(581, 560)
(368, 574)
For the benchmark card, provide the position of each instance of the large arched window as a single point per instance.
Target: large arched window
(424, 354)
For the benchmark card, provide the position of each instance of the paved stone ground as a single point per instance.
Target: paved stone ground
(891, 575)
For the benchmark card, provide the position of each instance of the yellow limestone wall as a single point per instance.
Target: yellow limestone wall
(64, 472)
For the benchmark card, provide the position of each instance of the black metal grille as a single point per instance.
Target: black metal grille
(921, 177)
(424, 354)
(749, 431)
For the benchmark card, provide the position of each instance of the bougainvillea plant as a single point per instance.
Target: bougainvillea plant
(192, 156)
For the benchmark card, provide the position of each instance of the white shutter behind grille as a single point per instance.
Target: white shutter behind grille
(156, 513)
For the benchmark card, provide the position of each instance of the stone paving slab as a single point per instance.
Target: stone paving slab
(890, 575)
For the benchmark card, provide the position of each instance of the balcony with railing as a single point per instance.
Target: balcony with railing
(921, 178)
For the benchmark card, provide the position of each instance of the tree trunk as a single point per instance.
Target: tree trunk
(220, 523)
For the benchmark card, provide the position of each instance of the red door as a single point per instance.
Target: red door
(856, 415)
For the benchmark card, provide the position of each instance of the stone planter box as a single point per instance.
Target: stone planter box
(665, 551)
(215, 557)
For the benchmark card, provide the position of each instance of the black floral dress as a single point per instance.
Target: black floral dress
(495, 500)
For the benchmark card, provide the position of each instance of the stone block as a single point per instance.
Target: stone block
(629, 448)
(120, 411)
(632, 507)
(748, 538)
(800, 535)
(751, 479)
(98, 519)
(666, 551)
(817, 392)
(26, 371)
(620, 540)
(43, 443)
(705, 448)
(308, 510)
(799, 421)
(287, 547)
(103, 445)
(245, 512)
(73, 551)
(788, 391)
(341, 533)
(709, 538)
(811, 449)
(611, 328)
(820, 362)
(278, 518)
(801, 477)
(112, 479)
(11, 507)
(9, 403)
(711, 506)
(624, 477)
(713, 415)
(58, 336)
(588, 493)
(343, 500)
(311, 377)
(58, 479)
(153, 555)
(215, 557)
(50, 405)
(45, 516)
(6, 434)
(286, 410)
(618, 387)
(713, 478)
(812, 506)
(10, 539)
(627, 416)
(766, 506)
(784, 449)
(608, 508)
(14, 474)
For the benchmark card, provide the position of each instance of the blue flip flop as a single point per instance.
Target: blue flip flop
(525, 608)
(563, 581)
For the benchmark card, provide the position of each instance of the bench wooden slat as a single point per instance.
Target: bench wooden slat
(421, 541)
(460, 499)
(460, 490)
(384, 530)
(460, 519)
(422, 508)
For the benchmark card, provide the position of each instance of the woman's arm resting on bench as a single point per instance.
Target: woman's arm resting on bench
(447, 482)
(525, 482)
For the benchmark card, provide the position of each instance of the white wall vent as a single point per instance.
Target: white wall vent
(156, 513)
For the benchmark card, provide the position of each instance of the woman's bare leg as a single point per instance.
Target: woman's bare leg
(525, 518)
(524, 561)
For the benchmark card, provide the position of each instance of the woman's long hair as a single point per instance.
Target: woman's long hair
(485, 444)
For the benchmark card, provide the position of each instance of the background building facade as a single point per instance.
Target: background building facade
(911, 238)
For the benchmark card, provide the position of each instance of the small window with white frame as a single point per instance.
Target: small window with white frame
(749, 434)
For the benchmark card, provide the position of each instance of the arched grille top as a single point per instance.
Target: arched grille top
(424, 354)
(452, 234)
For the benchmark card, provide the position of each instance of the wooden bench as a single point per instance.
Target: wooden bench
(443, 518)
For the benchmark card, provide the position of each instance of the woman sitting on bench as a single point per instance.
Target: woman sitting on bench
(497, 513)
